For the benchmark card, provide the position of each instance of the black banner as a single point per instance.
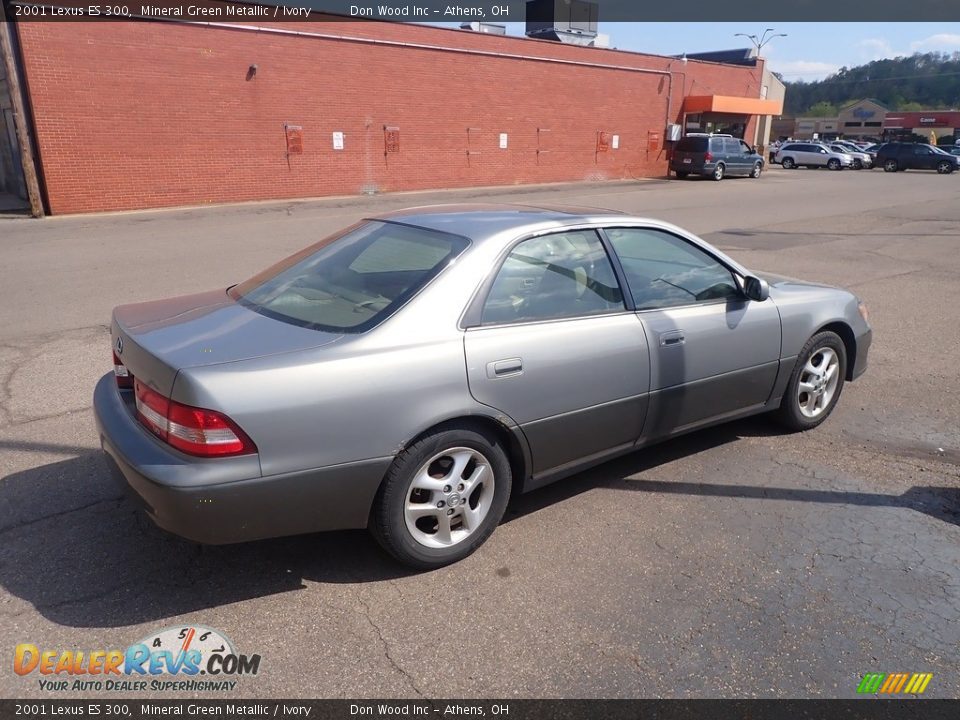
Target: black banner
(867, 708)
(494, 11)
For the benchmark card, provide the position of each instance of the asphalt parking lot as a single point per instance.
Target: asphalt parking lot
(734, 562)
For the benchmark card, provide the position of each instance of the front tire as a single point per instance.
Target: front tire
(757, 169)
(442, 497)
(858, 164)
(833, 164)
(718, 172)
(944, 168)
(815, 383)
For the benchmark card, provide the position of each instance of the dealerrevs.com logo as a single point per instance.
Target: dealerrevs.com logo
(176, 659)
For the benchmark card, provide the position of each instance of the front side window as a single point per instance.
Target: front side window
(351, 281)
(664, 270)
(563, 275)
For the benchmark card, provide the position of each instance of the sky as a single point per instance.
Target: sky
(811, 51)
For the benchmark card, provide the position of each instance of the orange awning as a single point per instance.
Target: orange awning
(730, 104)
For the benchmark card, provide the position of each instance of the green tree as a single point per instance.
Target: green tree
(822, 109)
(928, 80)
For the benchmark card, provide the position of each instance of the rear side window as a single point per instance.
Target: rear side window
(564, 275)
(352, 281)
(692, 144)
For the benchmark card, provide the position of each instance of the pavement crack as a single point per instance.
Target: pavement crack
(386, 647)
(26, 421)
(62, 513)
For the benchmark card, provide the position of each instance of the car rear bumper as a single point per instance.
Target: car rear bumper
(693, 168)
(225, 500)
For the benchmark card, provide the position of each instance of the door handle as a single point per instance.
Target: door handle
(504, 368)
(672, 338)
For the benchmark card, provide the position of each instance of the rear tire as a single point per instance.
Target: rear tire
(718, 172)
(682, 175)
(815, 383)
(890, 166)
(788, 163)
(463, 468)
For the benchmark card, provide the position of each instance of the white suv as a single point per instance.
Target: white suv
(811, 154)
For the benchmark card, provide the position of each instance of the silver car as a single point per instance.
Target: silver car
(411, 372)
(812, 154)
(861, 159)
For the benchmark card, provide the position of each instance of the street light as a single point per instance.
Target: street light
(759, 42)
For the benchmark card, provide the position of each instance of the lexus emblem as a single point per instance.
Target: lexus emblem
(119, 345)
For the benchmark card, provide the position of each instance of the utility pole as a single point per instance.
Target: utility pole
(20, 124)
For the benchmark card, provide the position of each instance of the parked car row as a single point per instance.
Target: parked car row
(716, 156)
(892, 157)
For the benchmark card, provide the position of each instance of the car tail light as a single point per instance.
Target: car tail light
(708, 157)
(120, 372)
(195, 431)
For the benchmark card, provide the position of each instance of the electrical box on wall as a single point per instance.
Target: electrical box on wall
(604, 139)
(294, 134)
(674, 132)
(391, 140)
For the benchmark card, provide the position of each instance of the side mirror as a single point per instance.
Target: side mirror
(753, 149)
(755, 288)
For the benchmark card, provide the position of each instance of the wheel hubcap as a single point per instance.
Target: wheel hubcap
(449, 497)
(818, 382)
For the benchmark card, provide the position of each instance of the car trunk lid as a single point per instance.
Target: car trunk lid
(155, 340)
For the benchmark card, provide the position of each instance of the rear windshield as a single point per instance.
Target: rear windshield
(353, 280)
(692, 144)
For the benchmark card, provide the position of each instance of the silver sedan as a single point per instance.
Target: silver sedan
(411, 372)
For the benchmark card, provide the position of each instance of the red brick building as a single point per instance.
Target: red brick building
(144, 114)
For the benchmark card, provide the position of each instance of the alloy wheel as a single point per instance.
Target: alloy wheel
(449, 497)
(818, 382)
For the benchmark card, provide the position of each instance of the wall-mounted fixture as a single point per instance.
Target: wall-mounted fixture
(252, 72)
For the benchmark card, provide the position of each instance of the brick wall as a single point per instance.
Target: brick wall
(150, 114)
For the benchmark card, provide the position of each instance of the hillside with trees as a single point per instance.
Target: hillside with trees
(924, 81)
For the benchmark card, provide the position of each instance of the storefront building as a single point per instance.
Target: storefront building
(932, 126)
(139, 114)
(862, 120)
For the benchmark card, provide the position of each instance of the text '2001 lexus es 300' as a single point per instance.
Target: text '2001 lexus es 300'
(410, 372)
